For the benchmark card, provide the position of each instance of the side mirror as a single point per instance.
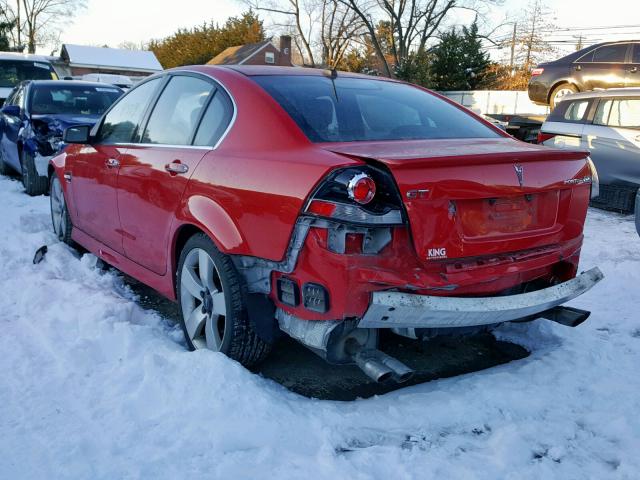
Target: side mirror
(77, 134)
(11, 110)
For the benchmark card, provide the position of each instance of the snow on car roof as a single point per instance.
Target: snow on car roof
(23, 56)
(135, 60)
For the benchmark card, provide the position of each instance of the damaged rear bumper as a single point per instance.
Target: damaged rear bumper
(405, 310)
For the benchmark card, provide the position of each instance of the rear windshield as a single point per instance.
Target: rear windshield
(12, 72)
(357, 109)
(72, 99)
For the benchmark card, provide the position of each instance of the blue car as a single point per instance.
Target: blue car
(33, 118)
(638, 212)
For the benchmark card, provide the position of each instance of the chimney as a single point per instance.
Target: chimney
(285, 50)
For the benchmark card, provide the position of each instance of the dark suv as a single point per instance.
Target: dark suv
(605, 65)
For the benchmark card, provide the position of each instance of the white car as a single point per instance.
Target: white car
(17, 67)
(607, 123)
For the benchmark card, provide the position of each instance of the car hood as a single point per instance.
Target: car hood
(67, 120)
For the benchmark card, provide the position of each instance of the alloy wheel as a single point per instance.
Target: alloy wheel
(202, 300)
(560, 94)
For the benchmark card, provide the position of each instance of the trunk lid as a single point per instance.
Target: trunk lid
(479, 197)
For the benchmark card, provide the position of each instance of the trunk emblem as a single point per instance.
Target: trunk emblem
(520, 173)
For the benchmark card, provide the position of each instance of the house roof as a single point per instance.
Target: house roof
(115, 58)
(238, 54)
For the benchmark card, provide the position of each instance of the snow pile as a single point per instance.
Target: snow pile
(93, 386)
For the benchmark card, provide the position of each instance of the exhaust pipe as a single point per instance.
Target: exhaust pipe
(381, 367)
(569, 316)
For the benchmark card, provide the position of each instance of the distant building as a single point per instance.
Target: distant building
(78, 60)
(261, 53)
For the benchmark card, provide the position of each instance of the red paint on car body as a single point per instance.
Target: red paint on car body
(498, 229)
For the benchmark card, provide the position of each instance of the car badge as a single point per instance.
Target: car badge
(520, 173)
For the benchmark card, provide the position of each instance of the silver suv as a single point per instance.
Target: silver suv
(607, 123)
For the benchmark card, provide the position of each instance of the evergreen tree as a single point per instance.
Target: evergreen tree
(5, 30)
(474, 59)
(459, 62)
(198, 45)
(447, 67)
(416, 68)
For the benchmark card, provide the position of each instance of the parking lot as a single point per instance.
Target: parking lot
(97, 384)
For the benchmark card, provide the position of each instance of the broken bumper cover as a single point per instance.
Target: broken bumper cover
(405, 310)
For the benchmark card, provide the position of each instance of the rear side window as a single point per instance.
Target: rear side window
(215, 120)
(625, 113)
(602, 112)
(123, 120)
(570, 111)
(177, 112)
(606, 54)
(636, 53)
(351, 109)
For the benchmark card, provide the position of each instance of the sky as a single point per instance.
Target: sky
(111, 22)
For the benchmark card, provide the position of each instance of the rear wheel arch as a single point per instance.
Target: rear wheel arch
(181, 236)
(559, 83)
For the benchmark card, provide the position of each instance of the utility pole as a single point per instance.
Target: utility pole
(513, 46)
(579, 45)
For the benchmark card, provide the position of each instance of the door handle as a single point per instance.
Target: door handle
(112, 163)
(578, 67)
(633, 69)
(176, 167)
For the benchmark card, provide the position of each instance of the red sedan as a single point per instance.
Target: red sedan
(325, 205)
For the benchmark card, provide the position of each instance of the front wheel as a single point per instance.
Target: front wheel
(212, 303)
(34, 184)
(4, 168)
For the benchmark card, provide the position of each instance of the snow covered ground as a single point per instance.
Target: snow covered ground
(94, 387)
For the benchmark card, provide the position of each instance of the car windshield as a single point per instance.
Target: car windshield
(351, 109)
(72, 99)
(13, 72)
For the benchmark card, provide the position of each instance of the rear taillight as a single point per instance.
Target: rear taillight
(358, 195)
(543, 136)
(537, 71)
(361, 188)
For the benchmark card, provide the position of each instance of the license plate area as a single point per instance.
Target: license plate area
(491, 217)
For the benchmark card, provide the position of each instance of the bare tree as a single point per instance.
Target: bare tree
(412, 24)
(295, 13)
(340, 25)
(534, 27)
(322, 30)
(39, 22)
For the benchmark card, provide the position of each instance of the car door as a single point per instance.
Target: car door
(154, 173)
(632, 78)
(94, 168)
(603, 67)
(614, 140)
(11, 126)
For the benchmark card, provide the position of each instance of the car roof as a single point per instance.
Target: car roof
(81, 83)
(27, 57)
(255, 70)
(604, 93)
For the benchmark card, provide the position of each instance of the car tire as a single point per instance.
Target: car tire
(60, 218)
(4, 168)
(212, 299)
(559, 92)
(33, 183)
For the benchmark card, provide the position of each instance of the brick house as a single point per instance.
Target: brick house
(261, 53)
